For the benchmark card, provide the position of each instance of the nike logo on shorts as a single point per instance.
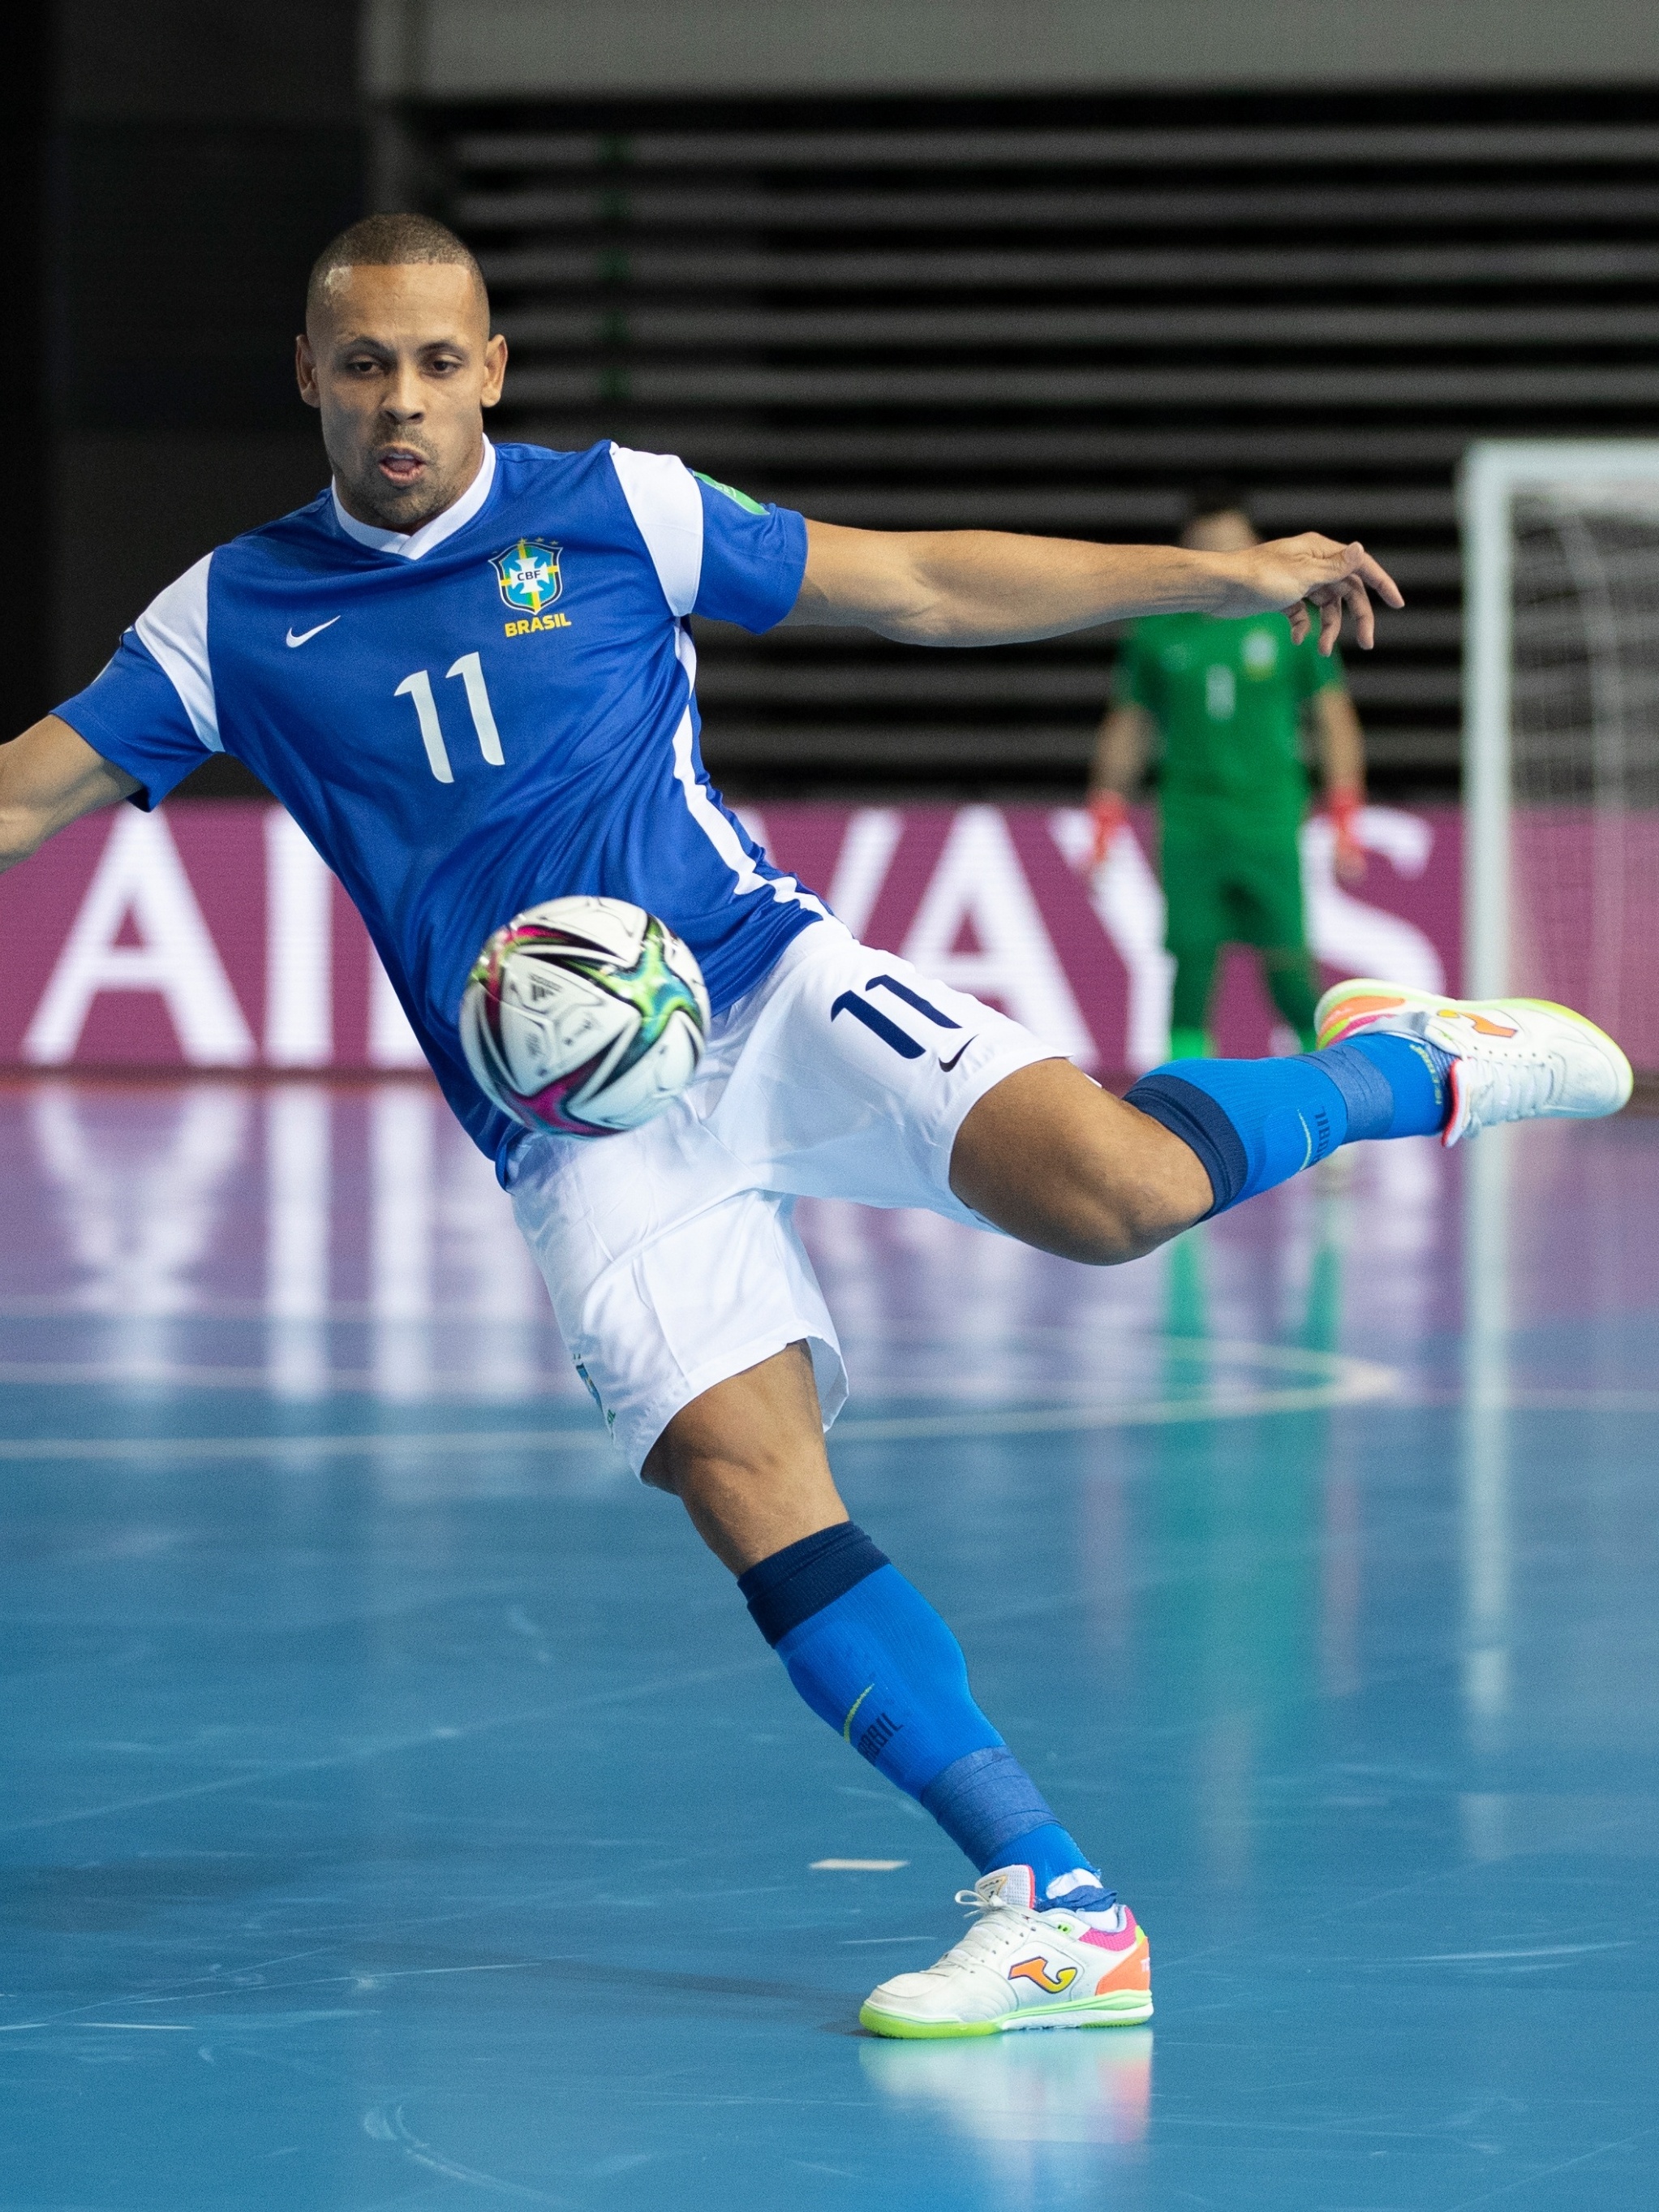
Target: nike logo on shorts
(945, 1065)
(306, 634)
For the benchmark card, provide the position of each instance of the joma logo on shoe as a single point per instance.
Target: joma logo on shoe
(1037, 1970)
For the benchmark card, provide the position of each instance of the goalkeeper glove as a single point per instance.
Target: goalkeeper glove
(1108, 814)
(1343, 808)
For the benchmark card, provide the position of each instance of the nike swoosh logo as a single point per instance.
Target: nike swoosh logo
(846, 1725)
(945, 1065)
(306, 633)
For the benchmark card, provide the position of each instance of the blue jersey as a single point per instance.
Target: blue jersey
(495, 709)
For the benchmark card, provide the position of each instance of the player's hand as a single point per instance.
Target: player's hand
(1295, 575)
(1349, 857)
(1107, 814)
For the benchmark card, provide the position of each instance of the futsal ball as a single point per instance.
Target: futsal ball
(584, 1017)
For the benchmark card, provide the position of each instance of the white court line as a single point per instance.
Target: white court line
(117, 1374)
(1350, 1381)
(1355, 1383)
(1045, 1420)
(377, 1446)
(1549, 1951)
(73, 1305)
(856, 1866)
(385, 2124)
(1157, 1413)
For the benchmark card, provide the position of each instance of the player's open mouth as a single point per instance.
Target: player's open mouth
(400, 466)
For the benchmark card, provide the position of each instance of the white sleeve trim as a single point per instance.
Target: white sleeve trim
(709, 818)
(666, 506)
(174, 628)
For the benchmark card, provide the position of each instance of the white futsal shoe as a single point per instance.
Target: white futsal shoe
(1018, 1968)
(1514, 1060)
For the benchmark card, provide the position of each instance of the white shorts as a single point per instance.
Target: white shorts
(672, 1252)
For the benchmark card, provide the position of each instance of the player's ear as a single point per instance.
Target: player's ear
(305, 371)
(495, 370)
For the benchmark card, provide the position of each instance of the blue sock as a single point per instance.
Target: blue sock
(1418, 1077)
(1256, 1122)
(870, 1656)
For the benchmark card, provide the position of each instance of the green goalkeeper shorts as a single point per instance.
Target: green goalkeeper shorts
(1232, 891)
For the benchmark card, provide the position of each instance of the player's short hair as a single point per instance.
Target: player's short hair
(391, 241)
(1216, 495)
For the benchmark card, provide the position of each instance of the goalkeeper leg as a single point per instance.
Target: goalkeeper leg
(1197, 926)
(1189, 1004)
(1267, 888)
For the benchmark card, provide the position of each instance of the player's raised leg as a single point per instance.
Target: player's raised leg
(1058, 1164)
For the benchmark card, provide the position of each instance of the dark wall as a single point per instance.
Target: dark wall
(1054, 314)
(199, 155)
(25, 125)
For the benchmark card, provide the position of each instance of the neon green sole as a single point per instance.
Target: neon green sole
(1127, 2008)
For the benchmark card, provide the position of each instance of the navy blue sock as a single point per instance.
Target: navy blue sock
(1253, 1123)
(871, 1657)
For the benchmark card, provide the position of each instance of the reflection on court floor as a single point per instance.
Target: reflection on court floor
(319, 1238)
(398, 1807)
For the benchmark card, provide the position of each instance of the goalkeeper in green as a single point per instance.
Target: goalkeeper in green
(1223, 702)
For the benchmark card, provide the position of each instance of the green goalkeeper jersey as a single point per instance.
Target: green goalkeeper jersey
(1227, 698)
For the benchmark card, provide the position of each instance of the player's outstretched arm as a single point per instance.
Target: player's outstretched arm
(988, 587)
(49, 777)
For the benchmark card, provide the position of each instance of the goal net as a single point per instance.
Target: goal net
(1561, 729)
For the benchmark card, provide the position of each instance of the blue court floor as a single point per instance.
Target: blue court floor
(401, 1811)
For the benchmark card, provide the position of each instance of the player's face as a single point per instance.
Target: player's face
(400, 364)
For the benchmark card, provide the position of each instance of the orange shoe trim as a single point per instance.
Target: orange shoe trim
(1134, 1972)
(1352, 1011)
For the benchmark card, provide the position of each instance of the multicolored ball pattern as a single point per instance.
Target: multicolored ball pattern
(584, 1017)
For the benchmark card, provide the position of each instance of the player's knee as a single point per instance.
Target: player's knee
(1116, 1227)
(754, 1465)
(1127, 1200)
(687, 1468)
(1053, 1159)
(1102, 1217)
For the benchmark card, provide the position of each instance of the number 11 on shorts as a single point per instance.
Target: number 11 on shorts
(855, 1002)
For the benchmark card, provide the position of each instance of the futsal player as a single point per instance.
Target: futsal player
(466, 670)
(1222, 702)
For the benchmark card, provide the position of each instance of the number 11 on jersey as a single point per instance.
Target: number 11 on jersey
(418, 686)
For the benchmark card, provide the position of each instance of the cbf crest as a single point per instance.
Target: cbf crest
(528, 574)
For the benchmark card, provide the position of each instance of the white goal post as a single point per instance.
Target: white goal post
(1561, 727)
